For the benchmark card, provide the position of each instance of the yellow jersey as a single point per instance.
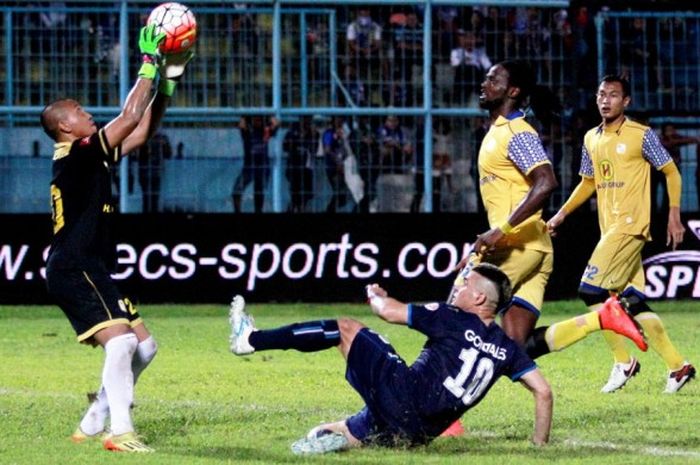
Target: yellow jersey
(509, 151)
(619, 159)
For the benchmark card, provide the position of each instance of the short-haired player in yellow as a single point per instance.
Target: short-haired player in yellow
(615, 164)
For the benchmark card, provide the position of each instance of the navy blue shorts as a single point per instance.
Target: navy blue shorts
(90, 299)
(384, 381)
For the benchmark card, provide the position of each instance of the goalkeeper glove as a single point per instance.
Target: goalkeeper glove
(148, 44)
(171, 67)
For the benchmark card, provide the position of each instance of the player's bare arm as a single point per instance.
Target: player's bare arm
(544, 400)
(385, 307)
(543, 183)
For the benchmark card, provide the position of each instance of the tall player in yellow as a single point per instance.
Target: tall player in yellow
(516, 178)
(615, 164)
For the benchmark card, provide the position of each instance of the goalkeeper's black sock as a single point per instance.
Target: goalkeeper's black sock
(310, 336)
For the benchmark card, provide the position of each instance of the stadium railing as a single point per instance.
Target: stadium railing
(290, 59)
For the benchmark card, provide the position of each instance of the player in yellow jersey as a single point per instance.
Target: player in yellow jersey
(516, 179)
(616, 160)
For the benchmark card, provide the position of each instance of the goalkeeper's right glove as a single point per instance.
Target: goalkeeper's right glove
(148, 44)
(171, 68)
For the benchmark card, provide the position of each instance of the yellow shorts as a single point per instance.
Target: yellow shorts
(616, 263)
(528, 271)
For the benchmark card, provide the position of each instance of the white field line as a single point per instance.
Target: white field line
(633, 448)
(637, 449)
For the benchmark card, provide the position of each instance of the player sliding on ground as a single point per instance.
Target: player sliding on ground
(82, 254)
(406, 405)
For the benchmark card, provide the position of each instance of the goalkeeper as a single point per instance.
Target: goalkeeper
(82, 255)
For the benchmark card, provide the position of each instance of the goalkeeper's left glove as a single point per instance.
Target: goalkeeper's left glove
(171, 67)
(148, 44)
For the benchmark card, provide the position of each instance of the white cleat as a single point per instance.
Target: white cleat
(320, 441)
(677, 379)
(620, 374)
(242, 324)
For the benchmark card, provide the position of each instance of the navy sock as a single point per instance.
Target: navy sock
(310, 336)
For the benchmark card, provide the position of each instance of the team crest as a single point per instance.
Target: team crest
(620, 148)
(606, 170)
(432, 307)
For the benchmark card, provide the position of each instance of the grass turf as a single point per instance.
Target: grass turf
(198, 404)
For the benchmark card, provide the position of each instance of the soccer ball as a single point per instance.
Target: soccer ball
(178, 23)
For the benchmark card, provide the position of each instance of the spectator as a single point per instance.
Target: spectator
(256, 169)
(470, 64)
(364, 38)
(300, 143)
(640, 64)
(335, 149)
(672, 141)
(365, 144)
(394, 148)
(150, 169)
(495, 33)
(443, 150)
(408, 55)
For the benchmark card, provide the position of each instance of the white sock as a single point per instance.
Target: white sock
(118, 381)
(94, 420)
(145, 352)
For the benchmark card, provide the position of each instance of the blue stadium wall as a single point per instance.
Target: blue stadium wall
(315, 258)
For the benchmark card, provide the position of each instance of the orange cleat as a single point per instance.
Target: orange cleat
(614, 317)
(455, 429)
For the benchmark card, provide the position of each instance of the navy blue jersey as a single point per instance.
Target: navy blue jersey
(81, 200)
(459, 363)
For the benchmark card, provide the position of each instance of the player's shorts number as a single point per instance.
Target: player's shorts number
(483, 372)
(590, 272)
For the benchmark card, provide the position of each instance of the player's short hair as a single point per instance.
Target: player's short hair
(50, 117)
(626, 88)
(499, 279)
(520, 75)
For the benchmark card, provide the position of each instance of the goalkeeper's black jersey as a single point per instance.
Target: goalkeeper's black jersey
(81, 202)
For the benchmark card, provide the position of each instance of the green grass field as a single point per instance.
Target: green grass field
(198, 404)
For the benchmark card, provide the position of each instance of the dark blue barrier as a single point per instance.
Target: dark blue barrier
(313, 258)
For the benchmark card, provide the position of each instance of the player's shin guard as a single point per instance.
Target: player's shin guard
(659, 341)
(310, 336)
(536, 344)
(93, 421)
(617, 346)
(565, 333)
(118, 381)
(145, 352)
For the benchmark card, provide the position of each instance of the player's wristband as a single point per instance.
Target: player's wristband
(148, 71)
(505, 227)
(167, 86)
